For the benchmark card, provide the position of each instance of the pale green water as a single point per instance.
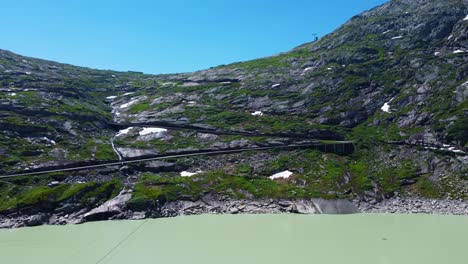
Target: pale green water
(284, 239)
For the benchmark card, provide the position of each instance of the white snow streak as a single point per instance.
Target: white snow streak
(151, 130)
(257, 113)
(447, 148)
(123, 132)
(284, 174)
(129, 103)
(49, 140)
(189, 174)
(386, 106)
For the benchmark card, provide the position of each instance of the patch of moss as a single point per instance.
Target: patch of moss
(24, 193)
(139, 108)
(428, 188)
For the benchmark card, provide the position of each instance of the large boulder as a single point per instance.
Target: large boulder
(110, 208)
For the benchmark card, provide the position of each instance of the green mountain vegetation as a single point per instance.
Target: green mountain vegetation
(393, 80)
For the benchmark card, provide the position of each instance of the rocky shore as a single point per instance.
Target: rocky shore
(415, 205)
(212, 204)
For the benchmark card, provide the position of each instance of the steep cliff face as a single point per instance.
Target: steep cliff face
(397, 72)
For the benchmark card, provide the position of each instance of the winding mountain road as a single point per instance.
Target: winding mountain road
(346, 147)
(314, 135)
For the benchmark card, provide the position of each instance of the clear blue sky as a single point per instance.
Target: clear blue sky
(165, 36)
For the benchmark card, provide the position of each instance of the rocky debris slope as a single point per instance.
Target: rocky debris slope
(214, 204)
(416, 205)
(222, 205)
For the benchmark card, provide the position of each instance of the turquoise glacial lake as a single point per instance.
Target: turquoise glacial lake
(328, 239)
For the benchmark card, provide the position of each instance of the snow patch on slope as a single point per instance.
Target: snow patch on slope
(151, 130)
(123, 132)
(189, 174)
(281, 175)
(386, 106)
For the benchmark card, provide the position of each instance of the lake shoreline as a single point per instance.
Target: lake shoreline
(213, 204)
(415, 205)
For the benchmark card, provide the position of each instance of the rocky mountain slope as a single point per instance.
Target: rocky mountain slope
(392, 79)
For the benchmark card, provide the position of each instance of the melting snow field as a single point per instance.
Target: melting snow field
(466, 18)
(111, 97)
(151, 130)
(386, 106)
(281, 175)
(257, 113)
(397, 37)
(189, 174)
(123, 132)
(275, 85)
(458, 51)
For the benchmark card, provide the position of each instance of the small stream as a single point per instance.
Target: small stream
(115, 149)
